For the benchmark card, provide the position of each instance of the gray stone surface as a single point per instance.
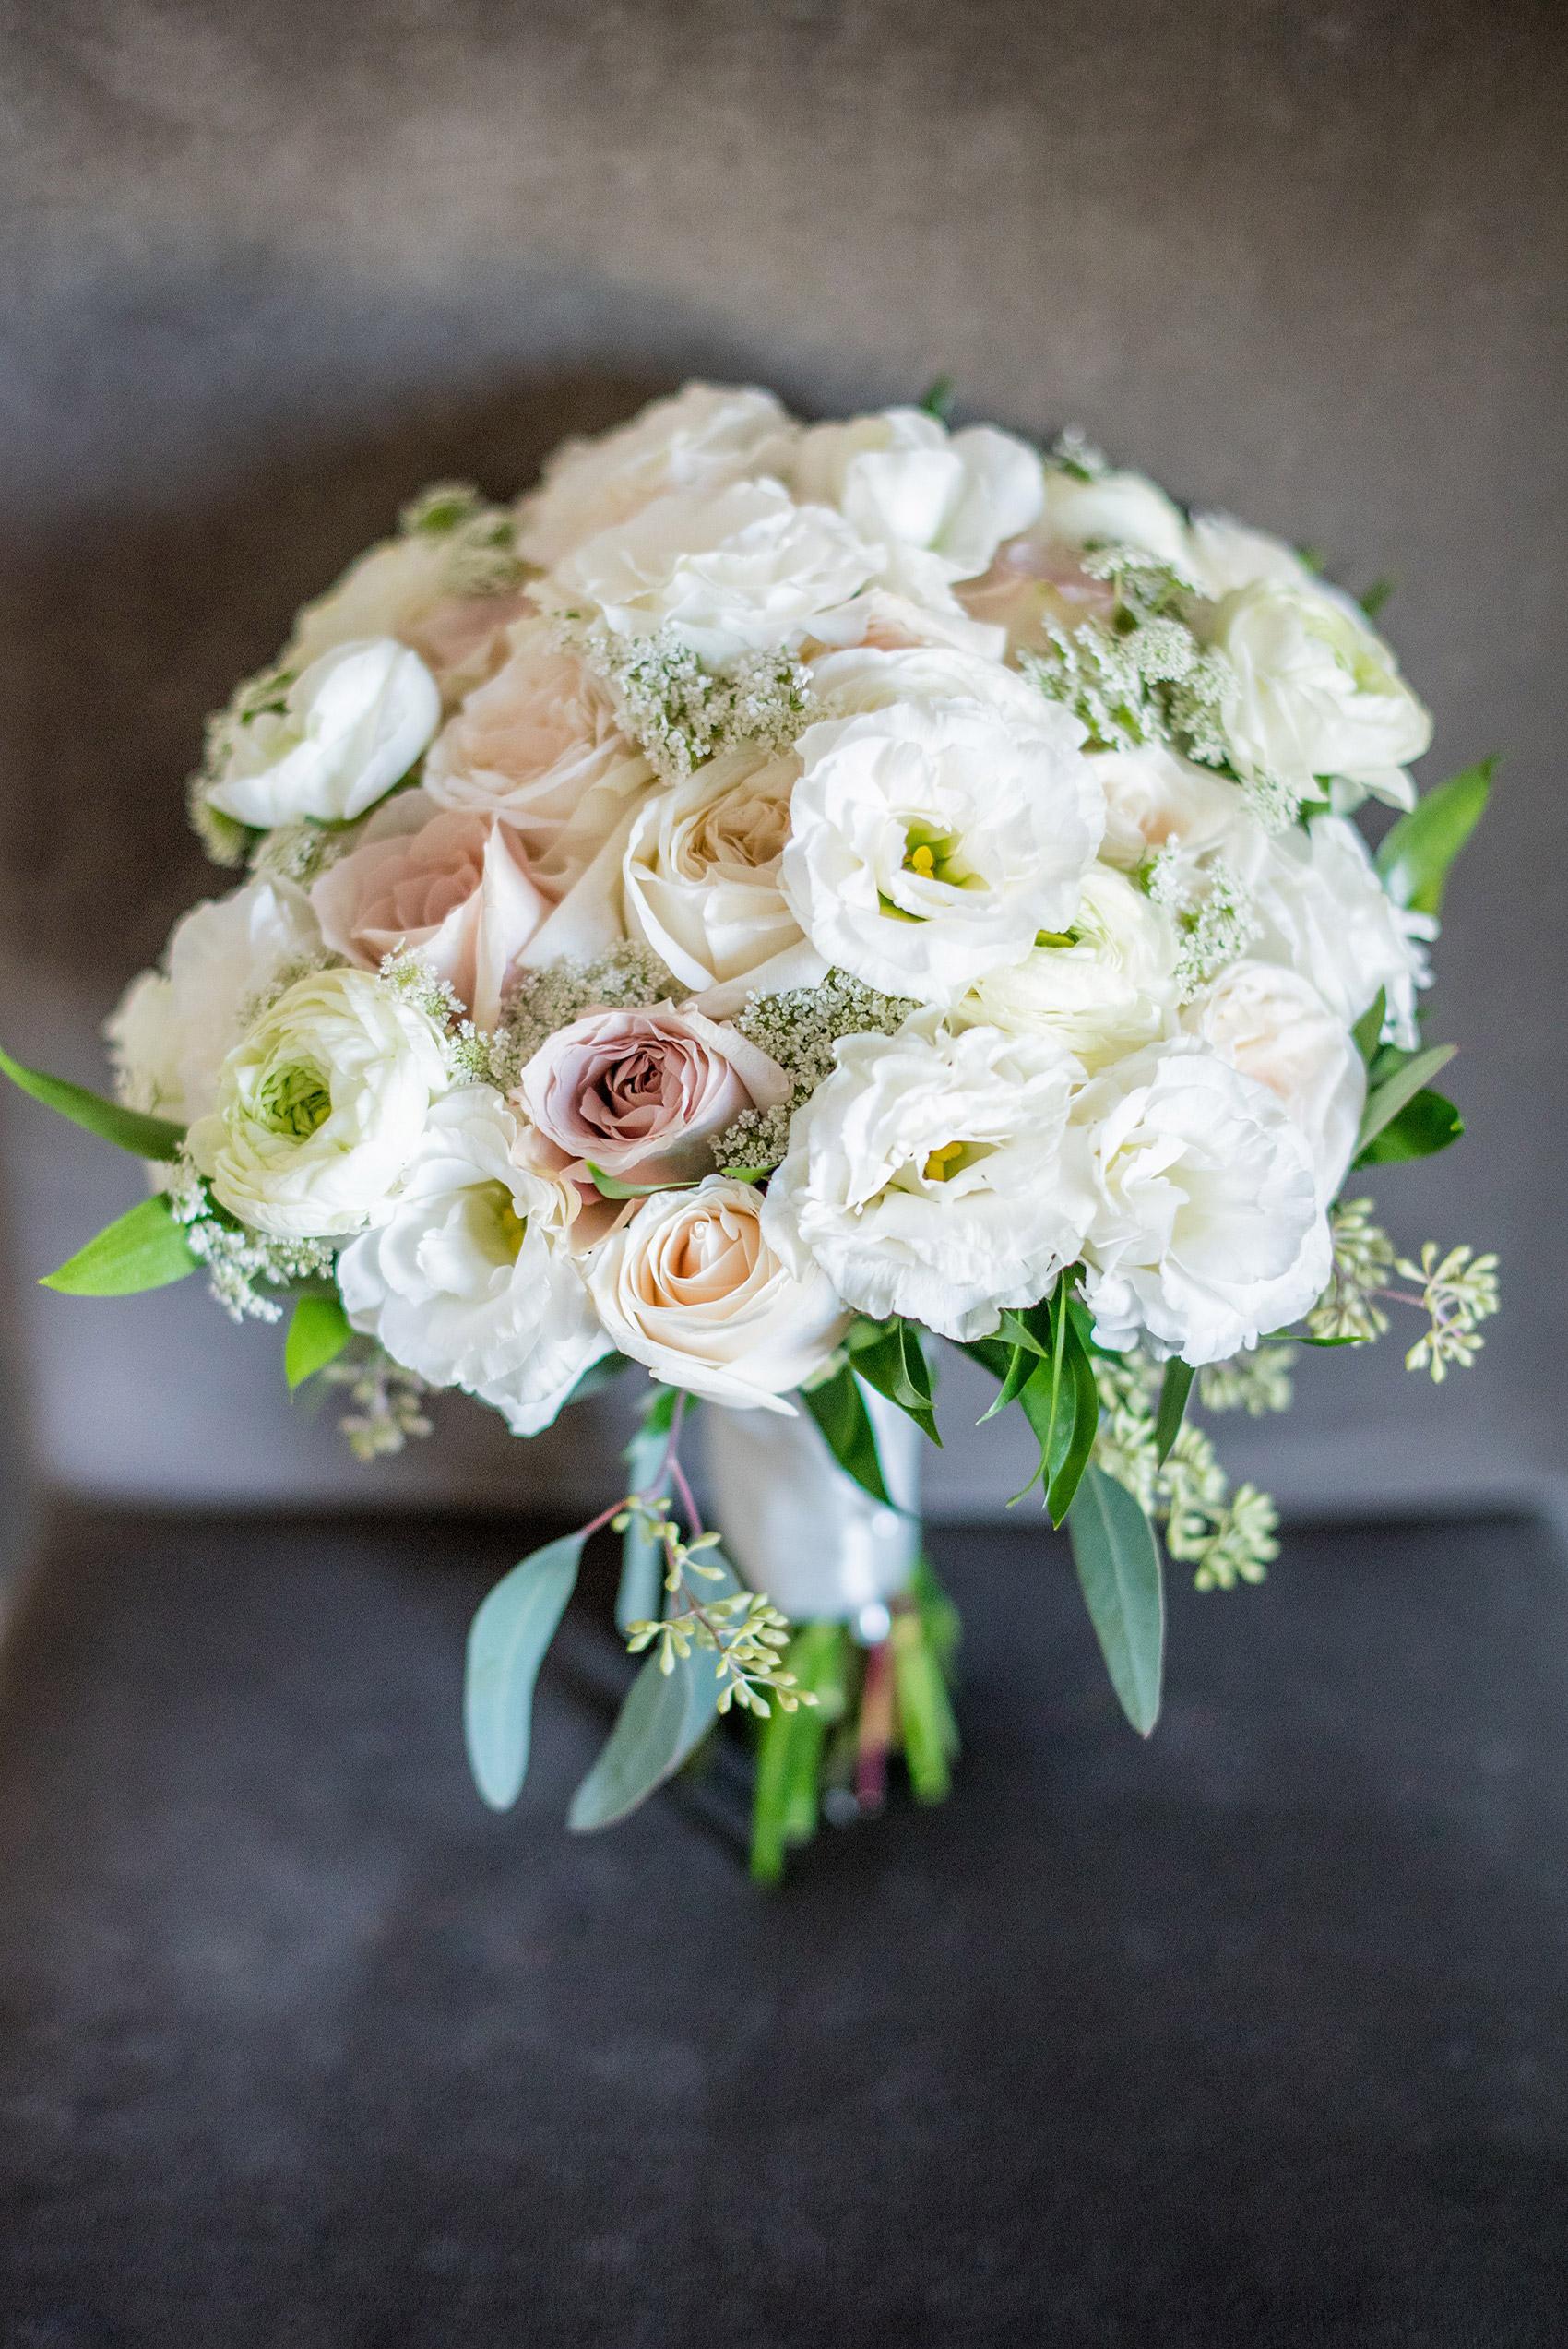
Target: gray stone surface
(270, 267)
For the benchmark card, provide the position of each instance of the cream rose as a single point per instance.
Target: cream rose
(1155, 800)
(1102, 989)
(706, 437)
(321, 1108)
(691, 1288)
(1274, 1026)
(454, 888)
(468, 1280)
(925, 1176)
(643, 1094)
(930, 843)
(1206, 1228)
(351, 726)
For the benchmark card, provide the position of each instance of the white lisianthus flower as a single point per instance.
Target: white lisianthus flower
(1109, 509)
(1272, 1025)
(321, 1108)
(706, 437)
(1103, 988)
(171, 1031)
(742, 570)
(1315, 695)
(350, 726)
(925, 1176)
(1325, 913)
(930, 843)
(701, 879)
(1207, 1229)
(690, 1287)
(466, 1281)
(933, 505)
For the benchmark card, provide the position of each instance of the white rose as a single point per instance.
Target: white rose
(701, 879)
(1109, 509)
(935, 506)
(467, 1281)
(925, 1175)
(1104, 988)
(1155, 799)
(735, 572)
(171, 1034)
(351, 726)
(1315, 694)
(931, 842)
(690, 1287)
(1207, 1229)
(1272, 1025)
(1325, 913)
(321, 1108)
(708, 437)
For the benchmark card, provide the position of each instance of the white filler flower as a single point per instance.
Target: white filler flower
(351, 726)
(1207, 1229)
(468, 1283)
(1273, 1024)
(690, 1287)
(925, 1176)
(738, 571)
(930, 843)
(321, 1108)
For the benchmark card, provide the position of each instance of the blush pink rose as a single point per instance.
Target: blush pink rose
(463, 641)
(643, 1094)
(1029, 588)
(458, 891)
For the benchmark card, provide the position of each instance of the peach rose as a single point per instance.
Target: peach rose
(463, 641)
(1030, 587)
(457, 889)
(642, 1094)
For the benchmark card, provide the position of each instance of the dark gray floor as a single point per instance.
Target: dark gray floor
(1257, 2034)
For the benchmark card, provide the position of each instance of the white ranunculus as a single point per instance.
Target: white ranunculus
(1207, 1228)
(925, 1176)
(930, 843)
(171, 1034)
(736, 571)
(351, 726)
(467, 1281)
(1154, 799)
(1272, 1024)
(1102, 990)
(321, 1108)
(1325, 913)
(690, 1287)
(1315, 695)
(701, 879)
(1109, 509)
(1224, 555)
(933, 505)
(706, 437)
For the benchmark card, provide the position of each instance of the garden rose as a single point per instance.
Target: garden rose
(1272, 1025)
(351, 726)
(690, 1287)
(321, 1108)
(925, 1177)
(1155, 799)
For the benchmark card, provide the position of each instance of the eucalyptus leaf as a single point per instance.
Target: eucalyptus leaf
(318, 1332)
(506, 1643)
(143, 1137)
(665, 1715)
(1118, 1561)
(1427, 1123)
(1174, 1389)
(1415, 858)
(1384, 1104)
(839, 1408)
(143, 1248)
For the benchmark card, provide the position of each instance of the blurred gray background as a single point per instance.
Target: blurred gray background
(270, 267)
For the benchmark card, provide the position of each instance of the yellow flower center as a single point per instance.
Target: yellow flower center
(942, 1162)
(513, 1227)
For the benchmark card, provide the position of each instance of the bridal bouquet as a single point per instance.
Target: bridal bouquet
(776, 896)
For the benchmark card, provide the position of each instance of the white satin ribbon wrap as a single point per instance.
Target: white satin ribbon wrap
(796, 1526)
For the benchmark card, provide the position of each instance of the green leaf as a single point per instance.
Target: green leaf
(506, 1643)
(888, 1357)
(925, 1715)
(642, 1560)
(1072, 1440)
(1414, 858)
(840, 1410)
(610, 1186)
(143, 1248)
(1368, 1030)
(1174, 1389)
(1118, 1562)
(150, 1137)
(784, 1804)
(1376, 596)
(938, 399)
(665, 1716)
(1426, 1123)
(1384, 1103)
(318, 1332)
